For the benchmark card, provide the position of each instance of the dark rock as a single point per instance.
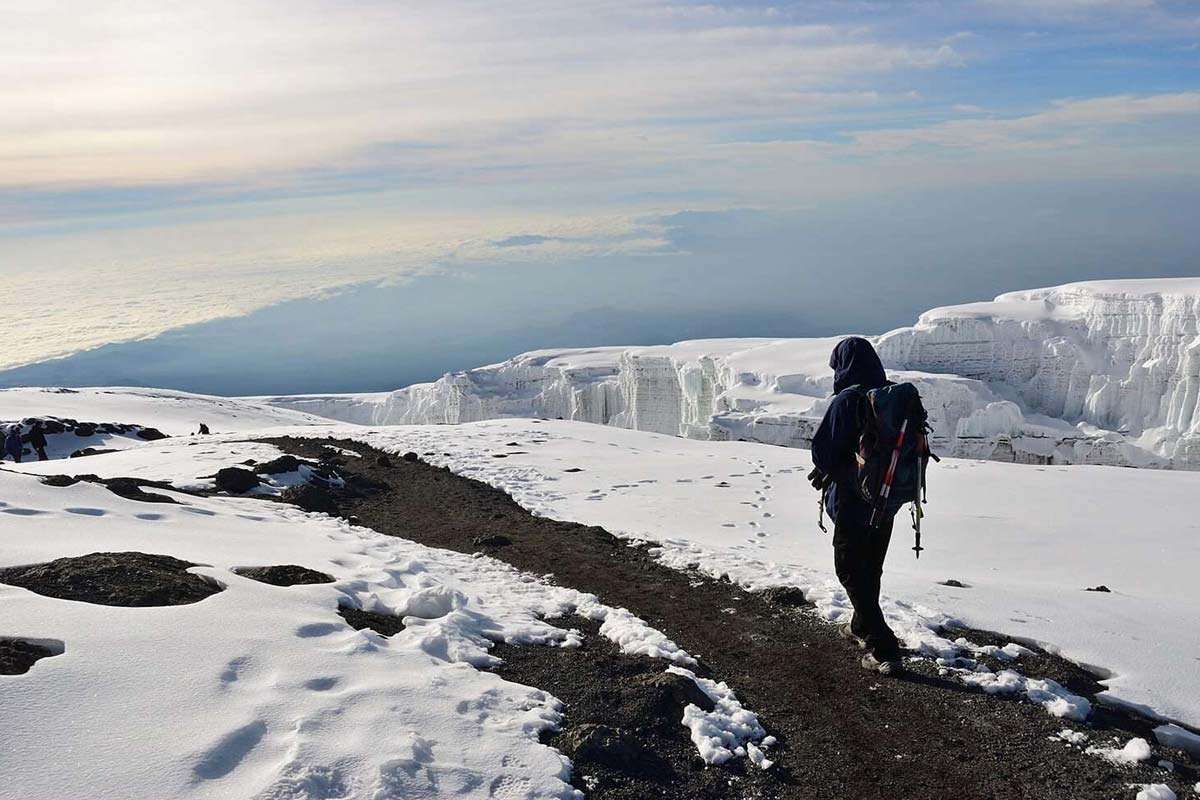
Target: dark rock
(383, 461)
(131, 488)
(383, 624)
(85, 429)
(53, 426)
(600, 744)
(236, 480)
(665, 695)
(499, 455)
(954, 584)
(18, 655)
(275, 466)
(512, 444)
(411, 456)
(284, 575)
(249, 462)
(115, 579)
(59, 481)
(789, 596)
(495, 540)
(573, 469)
(90, 451)
(311, 498)
(1100, 588)
(151, 434)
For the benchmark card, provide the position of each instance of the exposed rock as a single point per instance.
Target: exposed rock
(789, 596)
(236, 480)
(114, 579)
(954, 584)
(666, 695)
(383, 461)
(284, 575)
(90, 451)
(1100, 588)
(18, 655)
(383, 624)
(601, 744)
(411, 456)
(85, 429)
(131, 488)
(275, 466)
(311, 498)
(495, 540)
(60, 481)
(151, 434)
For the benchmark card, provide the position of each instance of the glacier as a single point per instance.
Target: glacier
(1104, 372)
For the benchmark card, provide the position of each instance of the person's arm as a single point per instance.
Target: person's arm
(834, 443)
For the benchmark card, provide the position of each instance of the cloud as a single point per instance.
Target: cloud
(144, 92)
(1067, 123)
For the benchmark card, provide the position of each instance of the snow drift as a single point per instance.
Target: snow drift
(1091, 373)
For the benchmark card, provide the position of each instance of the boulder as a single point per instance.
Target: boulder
(114, 579)
(236, 480)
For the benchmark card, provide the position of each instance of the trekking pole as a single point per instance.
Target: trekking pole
(886, 488)
(918, 512)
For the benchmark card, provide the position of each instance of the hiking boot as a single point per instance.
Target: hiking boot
(848, 634)
(889, 668)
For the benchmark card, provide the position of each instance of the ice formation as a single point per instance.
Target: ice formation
(1094, 373)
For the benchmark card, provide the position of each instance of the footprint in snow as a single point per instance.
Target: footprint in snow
(229, 751)
(728, 525)
(87, 512)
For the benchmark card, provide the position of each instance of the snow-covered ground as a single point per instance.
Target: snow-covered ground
(262, 691)
(1091, 373)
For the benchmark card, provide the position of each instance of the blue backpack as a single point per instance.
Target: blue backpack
(893, 452)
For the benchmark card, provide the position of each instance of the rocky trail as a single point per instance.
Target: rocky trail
(841, 731)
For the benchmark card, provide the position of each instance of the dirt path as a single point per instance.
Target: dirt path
(843, 733)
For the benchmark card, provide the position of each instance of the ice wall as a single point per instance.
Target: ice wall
(1119, 359)
(1103, 373)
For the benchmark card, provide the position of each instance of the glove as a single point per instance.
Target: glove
(819, 480)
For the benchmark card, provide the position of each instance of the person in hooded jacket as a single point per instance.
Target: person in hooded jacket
(12, 443)
(858, 549)
(37, 439)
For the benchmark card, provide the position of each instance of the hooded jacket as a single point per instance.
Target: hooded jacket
(12, 441)
(856, 367)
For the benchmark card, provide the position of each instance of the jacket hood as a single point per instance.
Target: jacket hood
(855, 362)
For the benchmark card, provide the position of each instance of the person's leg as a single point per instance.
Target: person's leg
(41, 454)
(851, 561)
(881, 640)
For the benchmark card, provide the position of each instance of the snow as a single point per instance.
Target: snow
(267, 692)
(174, 413)
(1025, 540)
(727, 731)
(1099, 373)
(1156, 791)
(1172, 735)
(1135, 751)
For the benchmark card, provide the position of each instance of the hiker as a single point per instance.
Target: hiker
(37, 440)
(859, 549)
(203, 430)
(12, 443)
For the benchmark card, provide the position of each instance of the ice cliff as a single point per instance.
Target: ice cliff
(1097, 373)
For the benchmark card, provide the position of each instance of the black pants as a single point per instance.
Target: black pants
(858, 555)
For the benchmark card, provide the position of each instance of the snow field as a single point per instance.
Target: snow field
(262, 691)
(1025, 541)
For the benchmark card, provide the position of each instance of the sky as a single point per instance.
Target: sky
(185, 186)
